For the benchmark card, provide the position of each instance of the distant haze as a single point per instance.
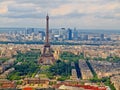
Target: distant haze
(82, 14)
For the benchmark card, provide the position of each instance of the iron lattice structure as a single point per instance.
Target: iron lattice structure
(47, 57)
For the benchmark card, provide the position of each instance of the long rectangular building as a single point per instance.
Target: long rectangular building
(85, 71)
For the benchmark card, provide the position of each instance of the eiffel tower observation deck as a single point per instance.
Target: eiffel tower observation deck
(47, 57)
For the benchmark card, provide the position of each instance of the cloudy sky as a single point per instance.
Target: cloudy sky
(82, 14)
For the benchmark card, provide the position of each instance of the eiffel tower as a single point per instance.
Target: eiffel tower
(47, 57)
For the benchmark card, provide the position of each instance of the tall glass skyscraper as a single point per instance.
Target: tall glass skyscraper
(69, 34)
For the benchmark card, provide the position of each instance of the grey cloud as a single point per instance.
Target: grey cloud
(21, 9)
(23, 15)
(70, 15)
(107, 16)
(117, 10)
(41, 15)
(53, 3)
(44, 3)
(75, 15)
(56, 3)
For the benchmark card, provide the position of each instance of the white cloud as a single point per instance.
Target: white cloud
(3, 9)
(62, 10)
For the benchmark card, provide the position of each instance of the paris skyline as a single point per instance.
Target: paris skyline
(82, 14)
